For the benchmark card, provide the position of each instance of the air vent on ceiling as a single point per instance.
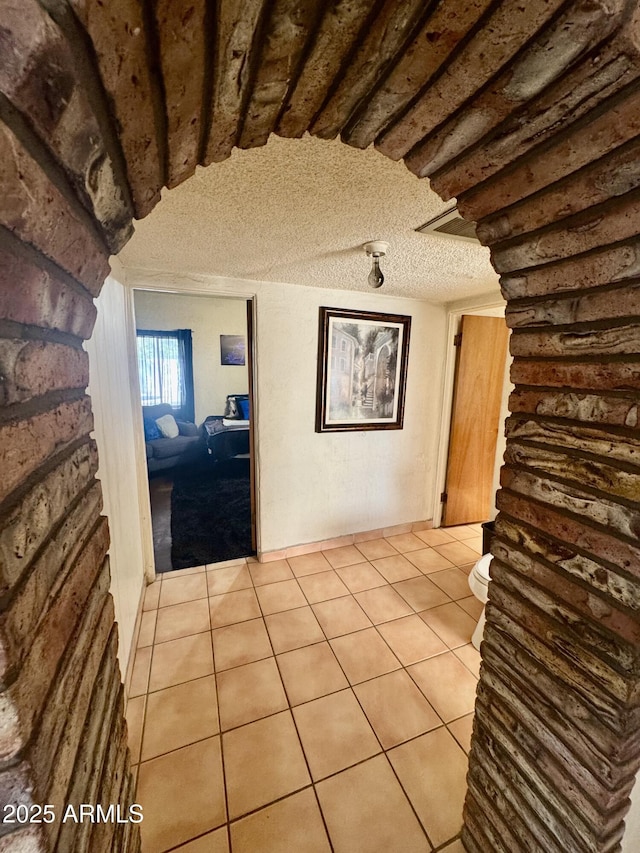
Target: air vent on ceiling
(450, 224)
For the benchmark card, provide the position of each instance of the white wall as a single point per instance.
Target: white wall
(208, 318)
(318, 486)
(631, 838)
(110, 384)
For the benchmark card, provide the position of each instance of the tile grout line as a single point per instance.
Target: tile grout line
(383, 751)
(215, 681)
(290, 707)
(353, 692)
(293, 719)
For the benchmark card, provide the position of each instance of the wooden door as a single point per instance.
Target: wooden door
(475, 419)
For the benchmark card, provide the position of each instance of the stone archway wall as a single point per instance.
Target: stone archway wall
(529, 113)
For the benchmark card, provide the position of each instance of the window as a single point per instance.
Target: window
(165, 367)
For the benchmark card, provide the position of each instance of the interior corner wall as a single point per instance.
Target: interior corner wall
(114, 427)
(208, 318)
(316, 486)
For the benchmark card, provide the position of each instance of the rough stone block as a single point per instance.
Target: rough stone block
(28, 443)
(236, 59)
(100, 724)
(62, 720)
(39, 60)
(521, 672)
(336, 35)
(438, 38)
(510, 24)
(120, 42)
(590, 229)
(11, 733)
(623, 302)
(591, 541)
(580, 94)
(181, 33)
(24, 840)
(612, 516)
(39, 214)
(545, 716)
(489, 833)
(603, 376)
(566, 581)
(21, 618)
(576, 406)
(287, 31)
(600, 267)
(29, 369)
(57, 627)
(577, 625)
(591, 687)
(585, 439)
(617, 340)
(590, 473)
(597, 575)
(34, 518)
(517, 821)
(113, 786)
(378, 48)
(469, 842)
(591, 186)
(34, 296)
(552, 803)
(540, 63)
(597, 659)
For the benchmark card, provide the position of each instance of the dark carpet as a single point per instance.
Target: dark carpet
(210, 513)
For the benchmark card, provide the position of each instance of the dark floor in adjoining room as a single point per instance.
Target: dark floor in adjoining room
(201, 514)
(160, 488)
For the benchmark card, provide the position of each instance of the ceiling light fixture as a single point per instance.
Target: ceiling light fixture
(376, 249)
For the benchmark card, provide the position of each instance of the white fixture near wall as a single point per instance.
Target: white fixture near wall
(376, 249)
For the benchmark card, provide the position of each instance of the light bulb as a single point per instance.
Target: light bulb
(376, 279)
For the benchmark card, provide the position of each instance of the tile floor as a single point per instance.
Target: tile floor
(313, 704)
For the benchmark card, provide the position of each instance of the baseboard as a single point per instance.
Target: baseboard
(341, 541)
(134, 645)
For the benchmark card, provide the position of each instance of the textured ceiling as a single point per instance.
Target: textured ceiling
(299, 211)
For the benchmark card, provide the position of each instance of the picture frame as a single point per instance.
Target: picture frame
(362, 370)
(232, 350)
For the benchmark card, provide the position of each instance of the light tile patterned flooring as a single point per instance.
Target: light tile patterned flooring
(312, 704)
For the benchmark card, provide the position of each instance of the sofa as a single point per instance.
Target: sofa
(164, 453)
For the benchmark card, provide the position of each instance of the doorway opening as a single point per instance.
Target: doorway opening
(197, 408)
(475, 407)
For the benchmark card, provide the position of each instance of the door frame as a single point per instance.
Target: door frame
(188, 285)
(487, 306)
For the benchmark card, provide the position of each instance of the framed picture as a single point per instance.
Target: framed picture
(362, 370)
(232, 349)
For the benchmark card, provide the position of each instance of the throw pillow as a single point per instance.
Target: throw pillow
(187, 428)
(244, 408)
(168, 426)
(151, 431)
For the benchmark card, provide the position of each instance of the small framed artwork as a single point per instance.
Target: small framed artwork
(232, 349)
(362, 370)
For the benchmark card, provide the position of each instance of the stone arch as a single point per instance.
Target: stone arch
(528, 114)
